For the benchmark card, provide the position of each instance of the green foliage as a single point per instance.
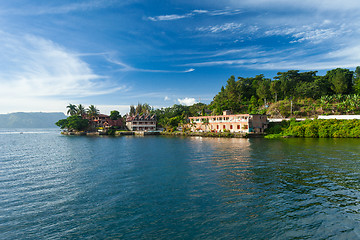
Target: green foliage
(76, 123)
(255, 93)
(114, 115)
(62, 123)
(80, 110)
(340, 80)
(319, 129)
(140, 109)
(71, 109)
(132, 111)
(92, 111)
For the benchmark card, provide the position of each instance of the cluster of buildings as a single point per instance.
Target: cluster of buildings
(228, 122)
(132, 123)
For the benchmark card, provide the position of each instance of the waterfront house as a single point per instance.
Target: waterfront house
(244, 123)
(141, 122)
(104, 121)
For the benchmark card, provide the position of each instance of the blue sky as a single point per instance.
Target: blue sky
(116, 53)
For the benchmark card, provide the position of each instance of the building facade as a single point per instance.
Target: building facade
(244, 123)
(105, 121)
(141, 123)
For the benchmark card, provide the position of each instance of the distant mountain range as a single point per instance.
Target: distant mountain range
(30, 120)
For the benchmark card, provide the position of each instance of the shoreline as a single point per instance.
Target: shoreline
(182, 134)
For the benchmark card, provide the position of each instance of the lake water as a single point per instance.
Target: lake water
(153, 187)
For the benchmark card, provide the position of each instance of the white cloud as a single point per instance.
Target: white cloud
(106, 109)
(187, 101)
(169, 17)
(200, 11)
(37, 69)
(166, 98)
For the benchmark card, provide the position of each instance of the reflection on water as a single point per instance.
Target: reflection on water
(54, 186)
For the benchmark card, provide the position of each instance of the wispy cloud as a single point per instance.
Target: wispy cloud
(62, 9)
(311, 33)
(125, 67)
(31, 66)
(221, 28)
(322, 5)
(170, 17)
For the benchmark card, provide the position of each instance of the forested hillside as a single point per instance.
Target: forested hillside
(288, 94)
(258, 94)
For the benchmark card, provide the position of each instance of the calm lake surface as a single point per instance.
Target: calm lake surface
(54, 186)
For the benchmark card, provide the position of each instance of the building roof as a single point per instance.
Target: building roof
(143, 117)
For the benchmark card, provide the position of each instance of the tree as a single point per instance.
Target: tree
(80, 110)
(263, 90)
(132, 110)
(356, 80)
(77, 123)
(288, 81)
(232, 96)
(275, 89)
(138, 109)
(62, 123)
(74, 122)
(340, 80)
(71, 109)
(92, 111)
(114, 115)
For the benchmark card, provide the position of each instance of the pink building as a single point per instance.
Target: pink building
(245, 123)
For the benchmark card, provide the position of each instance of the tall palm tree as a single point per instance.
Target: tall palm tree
(71, 109)
(92, 111)
(80, 110)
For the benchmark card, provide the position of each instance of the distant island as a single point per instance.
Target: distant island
(30, 119)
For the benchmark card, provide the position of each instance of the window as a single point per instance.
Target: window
(238, 126)
(224, 127)
(217, 126)
(231, 126)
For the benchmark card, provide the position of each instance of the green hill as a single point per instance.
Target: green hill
(30, 120)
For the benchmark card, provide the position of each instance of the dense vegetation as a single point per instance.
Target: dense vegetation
(259, 94)
(289, 94)
(172, 117)
(74, 122)
(78, 119)
(316, 129)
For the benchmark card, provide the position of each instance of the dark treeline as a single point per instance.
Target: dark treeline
(249, 94)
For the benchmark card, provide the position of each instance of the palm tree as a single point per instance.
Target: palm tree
(72, 109)
(80, 110)
(92, 111)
